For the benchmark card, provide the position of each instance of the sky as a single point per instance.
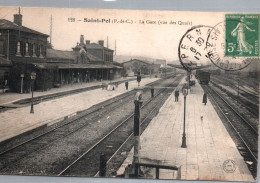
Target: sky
(133, 38)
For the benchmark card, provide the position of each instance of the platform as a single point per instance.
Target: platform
(209, 144)
(11, 97)
(17, 121)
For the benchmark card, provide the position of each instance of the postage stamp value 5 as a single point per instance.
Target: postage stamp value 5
(242, 35)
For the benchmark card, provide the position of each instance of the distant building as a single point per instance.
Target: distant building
(133, 66)
(160, 62)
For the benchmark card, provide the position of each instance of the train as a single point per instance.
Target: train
(203, 77)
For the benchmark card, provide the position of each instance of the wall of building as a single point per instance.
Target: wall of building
(23, 37)
(102, 54)
(133, 67)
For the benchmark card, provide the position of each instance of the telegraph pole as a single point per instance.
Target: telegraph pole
(107, 41)
(238, 84)
(51, 29)
(115, 47)
(8, 37)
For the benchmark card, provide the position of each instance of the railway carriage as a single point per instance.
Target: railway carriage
(203, 77)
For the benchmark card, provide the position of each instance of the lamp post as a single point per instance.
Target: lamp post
(137, 113)
(33, 77)
(238, 84)
(22, 76)
(185, 93)
(138, 78)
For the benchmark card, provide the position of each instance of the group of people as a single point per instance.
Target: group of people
(177, 93)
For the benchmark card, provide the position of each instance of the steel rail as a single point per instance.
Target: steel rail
(232, 81)
(133, 132)
(232, 125)
(127, 94)
(58, 127)
(241, 89)
(251, 110)
(107, 135)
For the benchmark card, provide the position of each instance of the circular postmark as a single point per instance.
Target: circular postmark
(218, 47)
(192, 50)
(229, 166)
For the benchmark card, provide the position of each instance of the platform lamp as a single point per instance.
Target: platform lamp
(185, 93)
(238, 83)
(33, 77)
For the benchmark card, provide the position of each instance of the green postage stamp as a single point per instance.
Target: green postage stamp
(242, 35)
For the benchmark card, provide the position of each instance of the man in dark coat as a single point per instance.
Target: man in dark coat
(152, 92)
(204, 99)
(176, 94)
(126, 85)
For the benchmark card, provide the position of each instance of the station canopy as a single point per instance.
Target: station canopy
(75, 66)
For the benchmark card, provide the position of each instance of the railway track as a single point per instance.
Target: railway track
(250, 96)
(22, 139)
(250, 105)
(20, 152)
(39, 99)
(111, 144)
(246, 136)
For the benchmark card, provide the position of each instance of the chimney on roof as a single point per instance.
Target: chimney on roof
(101, 42)
(81, 40)
(87, 41)
(18, 18)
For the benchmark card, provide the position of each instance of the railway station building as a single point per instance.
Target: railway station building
(24, 50)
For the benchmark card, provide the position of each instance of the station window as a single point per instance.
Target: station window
(18, 48)
(41, 50)
(26, 49)
(22, 48)
(34, 50)
(44, 51)
(37, 50)
(1, 48)
(30, 49)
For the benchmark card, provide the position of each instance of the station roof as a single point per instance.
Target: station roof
(74, 66)
(68, 55)
(92, 46)
(6, 24)
(96, 46)
(87, 66)
(137, 60)
(60, 54)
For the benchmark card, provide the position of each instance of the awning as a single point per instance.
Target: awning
(45, 65)
(85, 66)
(117, 67)
(74, 66)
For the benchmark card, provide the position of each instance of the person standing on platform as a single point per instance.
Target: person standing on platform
(152, 92)
(126, 85)
(204, 99)
(177, 93)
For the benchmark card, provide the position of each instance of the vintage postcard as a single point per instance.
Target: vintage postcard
(129, 94)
